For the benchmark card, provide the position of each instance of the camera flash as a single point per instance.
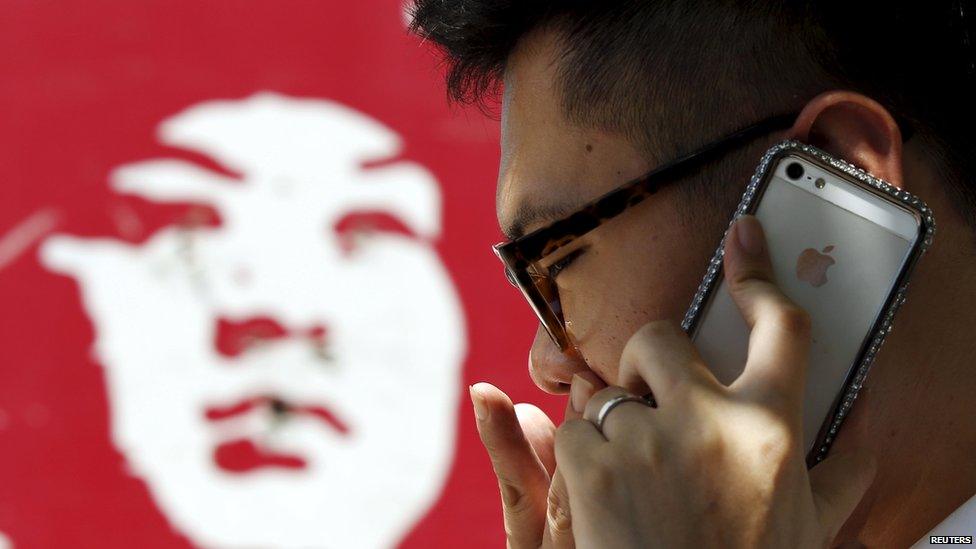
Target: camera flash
(820, 183)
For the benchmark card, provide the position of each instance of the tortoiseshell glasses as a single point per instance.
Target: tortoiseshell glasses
(521, 256)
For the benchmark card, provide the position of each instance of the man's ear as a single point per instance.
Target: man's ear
(853, 127)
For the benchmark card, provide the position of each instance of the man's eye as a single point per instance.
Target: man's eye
(560, 265)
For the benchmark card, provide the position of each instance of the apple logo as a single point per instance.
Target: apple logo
(812, 266)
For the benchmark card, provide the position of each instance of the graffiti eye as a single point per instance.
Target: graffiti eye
(359, 226)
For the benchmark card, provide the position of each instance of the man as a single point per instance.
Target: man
(597, 93)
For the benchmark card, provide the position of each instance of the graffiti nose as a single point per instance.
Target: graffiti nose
(234, 337)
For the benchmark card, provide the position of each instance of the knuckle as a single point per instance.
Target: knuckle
(660, 328)
(501, 461)
(565, 432)
(775, 446)
(633, 351)
(597, 478)
(558, 517)
(747, 275)
(568, 455)
(597, 401)
(713, 446)
(607, 393)
(704, 447)
(646, 346)
(783, 443)
(491, 445)
(514, 500)
(636, 347)
(683, 388)
(648, 450)
(793, 319)
(782, 468)
(779, 449)
(562, 434)
(645, 337)
(493, 439)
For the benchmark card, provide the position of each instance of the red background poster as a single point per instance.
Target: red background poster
(245, 280)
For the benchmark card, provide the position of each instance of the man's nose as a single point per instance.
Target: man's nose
(551, 369)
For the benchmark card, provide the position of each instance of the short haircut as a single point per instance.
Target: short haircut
(644, 68)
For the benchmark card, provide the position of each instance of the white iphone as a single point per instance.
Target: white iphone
(842, 244)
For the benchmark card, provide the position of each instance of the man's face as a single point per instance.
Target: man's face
(264, 373)
(643, 265)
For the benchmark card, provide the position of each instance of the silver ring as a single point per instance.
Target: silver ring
(616, 401)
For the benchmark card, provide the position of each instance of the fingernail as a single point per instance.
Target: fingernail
(750, 234)
(480, 407)
(580, 392)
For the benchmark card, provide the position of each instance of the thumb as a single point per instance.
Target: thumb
(838, 484)
(779, 337)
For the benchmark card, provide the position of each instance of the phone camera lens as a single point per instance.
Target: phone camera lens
(794, 170)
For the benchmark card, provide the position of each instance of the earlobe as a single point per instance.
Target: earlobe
(856, 128)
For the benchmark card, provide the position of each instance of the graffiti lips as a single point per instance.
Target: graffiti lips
(244, 454)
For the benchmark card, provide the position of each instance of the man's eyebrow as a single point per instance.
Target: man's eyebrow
(530, 213)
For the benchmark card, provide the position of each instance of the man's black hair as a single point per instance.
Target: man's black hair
(666, 71)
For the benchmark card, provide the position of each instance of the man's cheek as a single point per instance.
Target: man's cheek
(612, 318)
(604, 344)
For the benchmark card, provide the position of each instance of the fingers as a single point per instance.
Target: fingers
(540, 431)
(519, 440)
(626, 420)
(585, 384)
(576, 442)
(522, 478)
(662, 356)
(559, 523)
(779, 341)
(838, 484)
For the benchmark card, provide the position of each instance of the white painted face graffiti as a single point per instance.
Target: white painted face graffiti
(288, 376)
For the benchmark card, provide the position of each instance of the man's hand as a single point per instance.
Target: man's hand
(519, 440)
(711, 465)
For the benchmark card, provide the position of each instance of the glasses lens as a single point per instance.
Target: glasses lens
(549, 308)
(541, 293)
(548, 291)
(511, 277)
